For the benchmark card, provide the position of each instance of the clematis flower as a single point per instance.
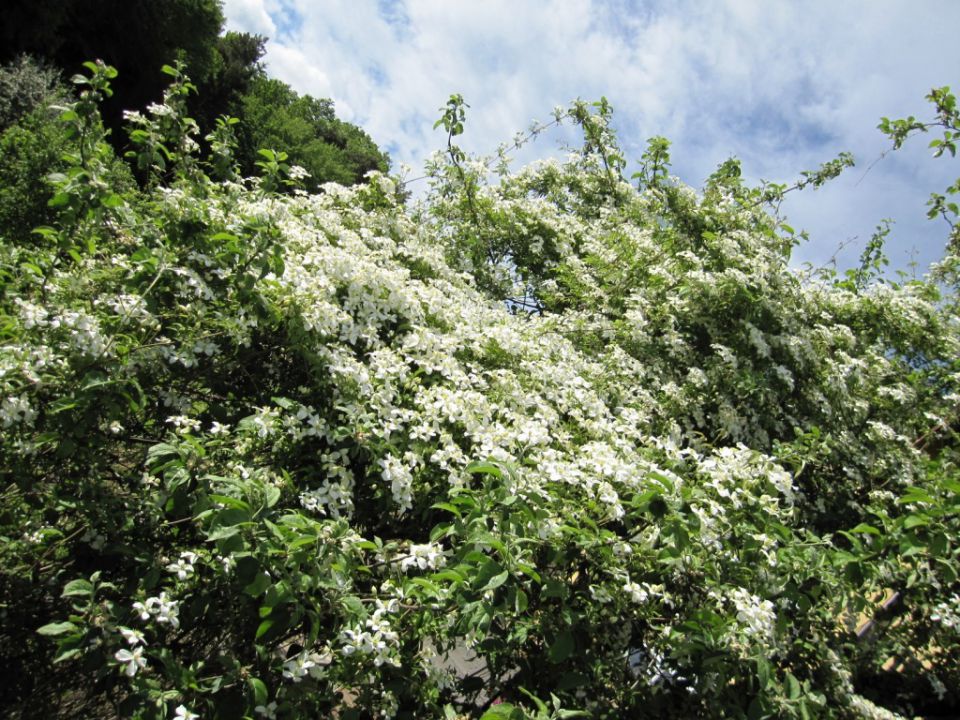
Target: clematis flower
(133, 637)
(297, 668)
(183, 568)
(268, 711)
(133, 660)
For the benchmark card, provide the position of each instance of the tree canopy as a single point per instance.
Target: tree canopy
(330, 150)
(138, 37)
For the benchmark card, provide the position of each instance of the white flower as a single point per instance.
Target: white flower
(296, 172)
(205, 347)
(948, 613)
(268, 711)
(167, 611)
(637, 592)
(34, 537)
(161, 607)
(423, 557)
(400, 479)
(756, 616)
(264, 421)
(183, 568)
(183, 424)
(15, 410)
(133, 637)
(132, 659)
(938, 687)
(298, 667)
(142, 610)
(182, 713)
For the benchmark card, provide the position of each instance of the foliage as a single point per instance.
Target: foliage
(236, 64)
(135, 36)
(948, 120)
(307, 130)
(31, 144)
(167, 138)
(225, 67)
(35, 146)
(294, 456)
(25, 85)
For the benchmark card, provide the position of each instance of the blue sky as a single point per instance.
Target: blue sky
(782, 85)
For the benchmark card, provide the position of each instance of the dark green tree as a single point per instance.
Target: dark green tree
(138, 37)
(135, 36)
(274, 116)
(236, 63)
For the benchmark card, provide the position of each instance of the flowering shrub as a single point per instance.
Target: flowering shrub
(546, 447)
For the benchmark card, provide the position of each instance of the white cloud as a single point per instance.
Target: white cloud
(250, 16)
(782, 86)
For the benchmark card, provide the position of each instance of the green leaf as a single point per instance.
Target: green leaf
(529, 571)
(914, 495)
(554, 589)
(503, 711)
(561, 648)
(763, 673)
(271, 495)
(260, 583)
(449, 574)
(793, 687)
(912, 521)
(353, 604)
(160, 452)
(488, 567)
(426, 585)
(496, 581)
(485, 468)
(60, 628)
(222, 533)
(232, 502)
(66, 655)
(448, 507)
(76, 588)
(264, 627)
(541, 705)
(302, 541)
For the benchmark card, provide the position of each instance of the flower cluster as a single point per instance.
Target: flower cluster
(298, 667)
(160, 608)
(947, 613)
(496, 423)
(423, 557)
(375, 639)
(756, 617)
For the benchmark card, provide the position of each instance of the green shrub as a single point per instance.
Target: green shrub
(26, 85)
(287, 456)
